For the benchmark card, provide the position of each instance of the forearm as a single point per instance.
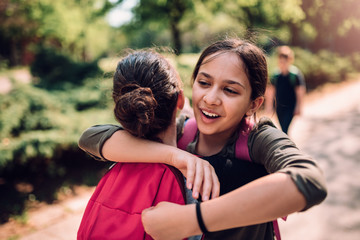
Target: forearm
(260, 201)
(123, 147)
(111, 143)
(106, 142)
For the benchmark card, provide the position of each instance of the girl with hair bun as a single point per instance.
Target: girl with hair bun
(147, 94)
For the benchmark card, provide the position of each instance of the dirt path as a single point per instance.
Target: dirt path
(328, 130)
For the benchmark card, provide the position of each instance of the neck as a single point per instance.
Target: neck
(209, 145)
(285, 72)
(168, 136)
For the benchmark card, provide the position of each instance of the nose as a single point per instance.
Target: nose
(212, 98)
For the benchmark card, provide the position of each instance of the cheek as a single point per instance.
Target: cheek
(195, 94)
(237, 108)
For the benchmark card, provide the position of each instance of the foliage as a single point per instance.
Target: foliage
(39, 131)
(72, 26)
(168, 11)
(93, 94)
(55, 70)
(336, 24)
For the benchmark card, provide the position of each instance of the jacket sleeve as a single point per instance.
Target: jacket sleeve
(92, 139)
(274, 149)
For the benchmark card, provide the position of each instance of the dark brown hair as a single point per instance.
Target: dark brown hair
(253, 58)
(145, 92)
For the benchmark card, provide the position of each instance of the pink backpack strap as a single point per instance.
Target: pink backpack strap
(241, 147)
(189, 133)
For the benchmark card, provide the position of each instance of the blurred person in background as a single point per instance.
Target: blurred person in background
(287, 87)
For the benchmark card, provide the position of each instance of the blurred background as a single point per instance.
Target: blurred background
(57, 59)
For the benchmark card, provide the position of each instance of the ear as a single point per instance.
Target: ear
(255, 105)
(180, 100)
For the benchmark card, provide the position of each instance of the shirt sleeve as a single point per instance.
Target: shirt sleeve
(92, 139)
(301, 79)
(274, 149)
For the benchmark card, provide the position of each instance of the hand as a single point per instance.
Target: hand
(170, 221)
(200, 175)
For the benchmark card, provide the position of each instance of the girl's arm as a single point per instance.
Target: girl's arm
(275, 150)
(260, 201)
(108, 142)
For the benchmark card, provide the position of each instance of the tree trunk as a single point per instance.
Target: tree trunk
(176, 35)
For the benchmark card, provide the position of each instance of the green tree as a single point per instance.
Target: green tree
(73, 26)
(258, 15)
(169, 12)
(335, 24)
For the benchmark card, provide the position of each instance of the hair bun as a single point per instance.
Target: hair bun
(128, 88)
(135, 109)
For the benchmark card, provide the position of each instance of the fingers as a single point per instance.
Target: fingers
(207, 184)
(150, 218)
(211, 184)
(205, 181)
(145, 221)
(161, 224)
(190, 175)
(199, 177)
(215, 192)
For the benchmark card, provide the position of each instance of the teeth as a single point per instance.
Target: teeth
(210, 114)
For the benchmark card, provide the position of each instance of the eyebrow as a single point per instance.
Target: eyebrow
(228, 81)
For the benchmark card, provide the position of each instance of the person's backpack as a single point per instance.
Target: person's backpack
(241, 153)
(114, 209)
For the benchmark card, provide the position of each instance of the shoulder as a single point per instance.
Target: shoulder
(297, 74)
(93, 138)
(275, 74)
(99, 131)
(264, 126)
(294, 70)
(265, 121)
(265, 133)
(104, 128)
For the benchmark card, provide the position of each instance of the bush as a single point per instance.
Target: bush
(93, 94)
(39, 131)
(36, 124)
(57, 71)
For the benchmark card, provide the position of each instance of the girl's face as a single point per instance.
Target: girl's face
(221, 95)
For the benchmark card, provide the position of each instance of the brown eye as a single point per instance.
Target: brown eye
(229, 90)
(203, 83)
